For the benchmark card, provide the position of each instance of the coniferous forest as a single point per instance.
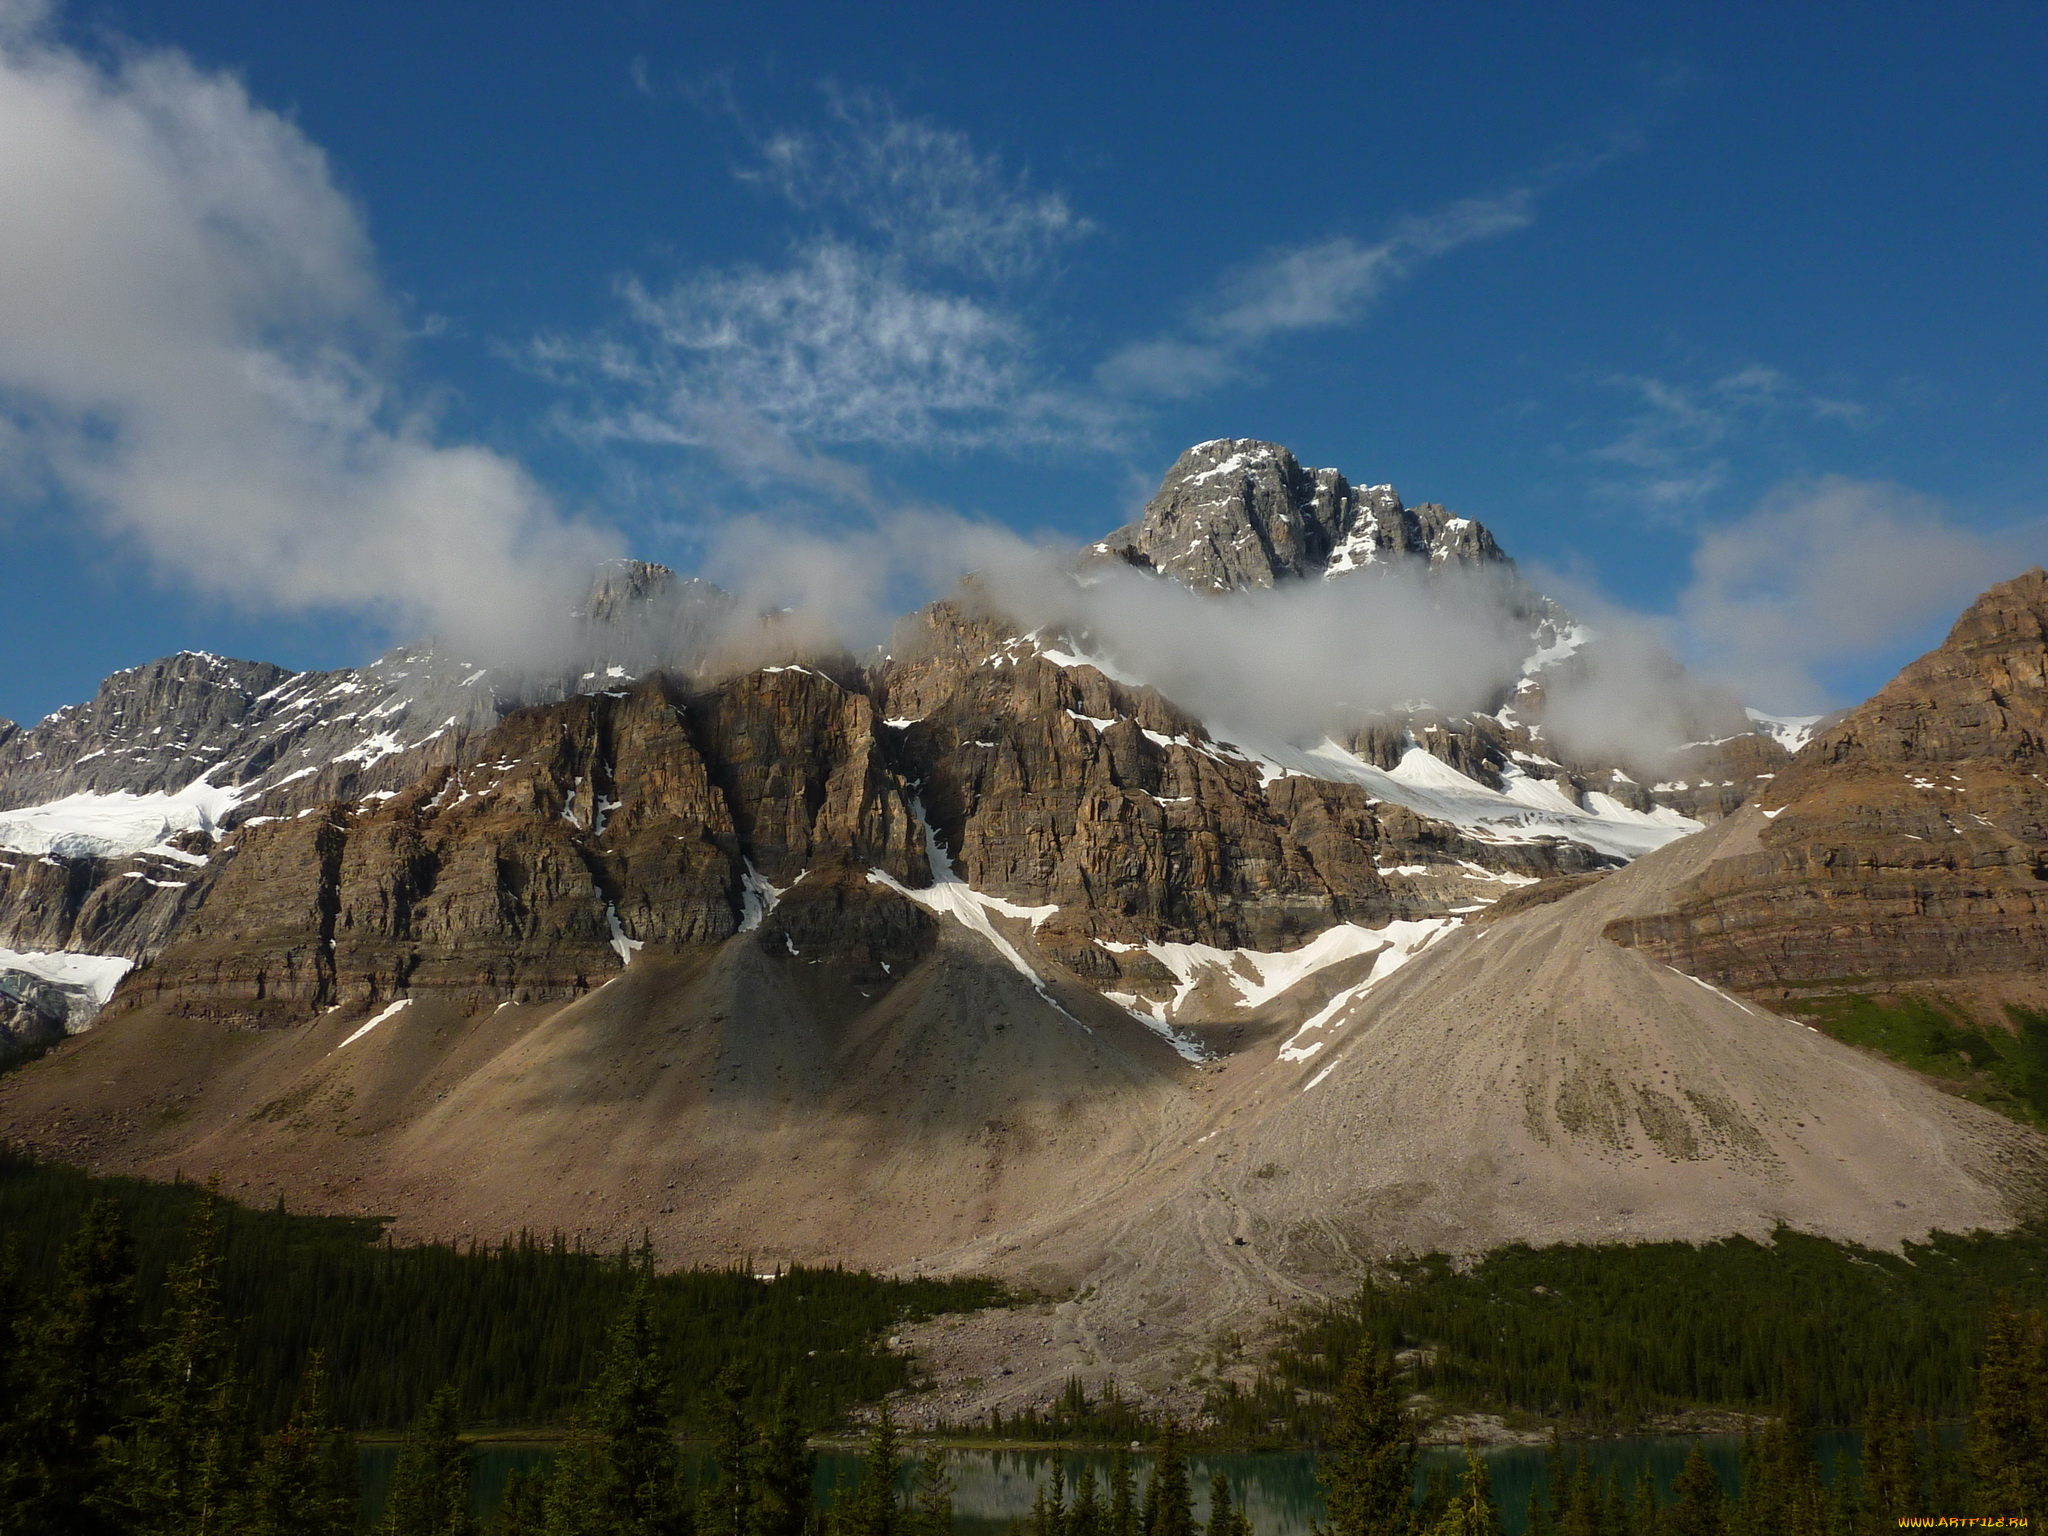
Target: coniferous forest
(145, 1332)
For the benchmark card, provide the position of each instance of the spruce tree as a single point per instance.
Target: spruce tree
(1368, 1471)
(303, 1483)
(55, 1476)
(430, 1489)
(727, 1508)
(1049, 1505)
(1891, 1466)
(872, 1510)
(1123, 1503)
(1781, 1492)
(188, 1458)
(523, 1509)
(1582, 1513)
(931, 1507)
(1086, 1517)
(1225, 1518)
(2009, 1429)
(1645, 1518)
(784, 1470)
(1697, 1500)
(1169, 1504)
(623, 1474)
(1471, 1511)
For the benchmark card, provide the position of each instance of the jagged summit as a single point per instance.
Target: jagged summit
(1234, 513)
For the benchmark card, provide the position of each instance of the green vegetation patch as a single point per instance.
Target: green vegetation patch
(1602, 1338)
(2003, 1069)
(518, 1330)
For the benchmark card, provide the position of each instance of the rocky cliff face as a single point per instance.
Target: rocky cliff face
(268, 844)
(1907, 843)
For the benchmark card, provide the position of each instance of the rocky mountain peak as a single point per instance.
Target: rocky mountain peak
(620, 584)
(1236, 513)
(1981, 695)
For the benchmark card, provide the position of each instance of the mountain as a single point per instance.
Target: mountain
(974, 953)
(1906, 848)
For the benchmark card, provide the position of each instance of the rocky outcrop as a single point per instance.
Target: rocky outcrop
(1237, 513)
(575, 833)
(1906, 843)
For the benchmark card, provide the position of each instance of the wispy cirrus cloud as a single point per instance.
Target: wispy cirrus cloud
(897, 320)
(1323, 285)
(1674, 449)
(921, 188)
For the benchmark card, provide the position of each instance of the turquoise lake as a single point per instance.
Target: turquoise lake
(994, 1487)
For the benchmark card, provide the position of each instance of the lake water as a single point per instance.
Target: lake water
(994, 1487)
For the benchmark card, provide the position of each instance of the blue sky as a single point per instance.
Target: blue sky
(1728, 315)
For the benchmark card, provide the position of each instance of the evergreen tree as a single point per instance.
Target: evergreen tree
(304, 1481)
(430, 1488)
(1169, 1504)
(1645, 1518)
(523, 1511)
(1891, 1466)
(1947, 1477)
(728, 1507)
(1781, 1491)
(1437, 1494)
(1582, 1513)
(1123, 1503)
(931, 1508)
(1697, 1499)
(1225, 1518)
(1050, 1505)
(189, 1456)
(872, 1510)
(621, 1473)
(1471, 1511)
(1086, 1516)
(784, 1470)
(1368, 1471)
(2009, 1429)
(56, 1478)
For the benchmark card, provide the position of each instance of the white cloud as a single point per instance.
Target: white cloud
(1832, 572)
(891, 324)
(194, 343)
(1671, 453)
(924, 189)
(1317, 286)
(839, 346)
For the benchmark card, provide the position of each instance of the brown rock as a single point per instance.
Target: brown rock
(1909, 842)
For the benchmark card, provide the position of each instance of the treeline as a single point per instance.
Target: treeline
(1907, 1473)
(1602, 1338)
(517, 1330)
(2005, 1069)
(1072, 1416)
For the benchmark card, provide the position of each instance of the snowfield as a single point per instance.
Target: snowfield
(116, 825)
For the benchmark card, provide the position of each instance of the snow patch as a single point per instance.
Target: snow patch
(116, 824)
(389, 1013)
(953, 897)
(757, 896)
(1789, 731)
(622, 946)
(1405, 940)
(97, 975)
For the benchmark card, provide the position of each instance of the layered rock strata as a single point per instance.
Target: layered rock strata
(1907, 843)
